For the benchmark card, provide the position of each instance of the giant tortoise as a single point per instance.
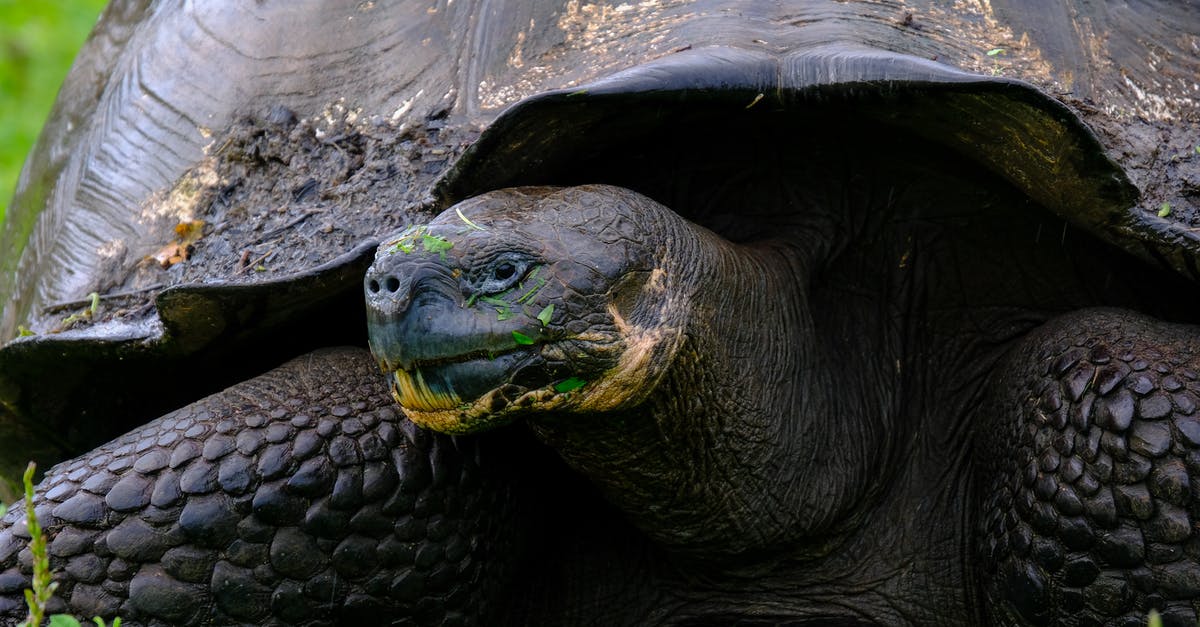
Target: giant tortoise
(805, 313)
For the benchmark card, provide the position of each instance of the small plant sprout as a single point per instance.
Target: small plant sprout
(37, 597)
(1164, 210)
(43, 588)
(86, 314)
(995, 53)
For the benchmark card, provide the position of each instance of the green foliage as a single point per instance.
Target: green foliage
(66, 620)
(37, 597)
(1154, 620)
(521, 338)
(569, 385)
(1164, 210)
(38, 41)
(43, 588)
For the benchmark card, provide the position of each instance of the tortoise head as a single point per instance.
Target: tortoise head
(524, 300)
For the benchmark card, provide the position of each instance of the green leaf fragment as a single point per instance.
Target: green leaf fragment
(1164, 210)
(521, 338)
(468, 222)
(532, 291)
(544, 315)
(436, 243)
(63, 620)
(1154, 619)
(995, 51)
(406, 241)
(503, 309)
(569, 385)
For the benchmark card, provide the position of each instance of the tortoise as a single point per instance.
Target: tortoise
(809, 313)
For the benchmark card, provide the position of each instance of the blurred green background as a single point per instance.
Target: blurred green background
(38, 42)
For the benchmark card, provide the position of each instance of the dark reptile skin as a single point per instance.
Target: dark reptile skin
(300, 497)
(1090, 497)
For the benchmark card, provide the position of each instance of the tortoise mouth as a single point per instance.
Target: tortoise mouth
(457, 383)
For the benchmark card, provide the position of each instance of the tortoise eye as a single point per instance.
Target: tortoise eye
(504, 271)
(503, 274)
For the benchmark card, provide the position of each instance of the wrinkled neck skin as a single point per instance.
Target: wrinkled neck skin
(743, 449)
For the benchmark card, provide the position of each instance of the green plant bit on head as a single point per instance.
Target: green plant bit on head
(522, 339)
(544, 315)
(532, 291)
(468, 222)
(503, 309)
(406, 241)
(436, 244)
(1164, 210)
(569, 385)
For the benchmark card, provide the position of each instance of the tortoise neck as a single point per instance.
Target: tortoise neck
(744, 448)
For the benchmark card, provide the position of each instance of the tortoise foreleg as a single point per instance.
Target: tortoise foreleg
(1088, 457)
(300, 497)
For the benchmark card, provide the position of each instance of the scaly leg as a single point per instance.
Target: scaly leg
(1088, 456)
(300, 497)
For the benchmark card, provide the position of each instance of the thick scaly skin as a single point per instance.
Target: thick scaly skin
(301, 497)
(1087, 474)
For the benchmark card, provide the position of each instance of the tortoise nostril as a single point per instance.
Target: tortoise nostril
(392, 284)
(373, 286)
